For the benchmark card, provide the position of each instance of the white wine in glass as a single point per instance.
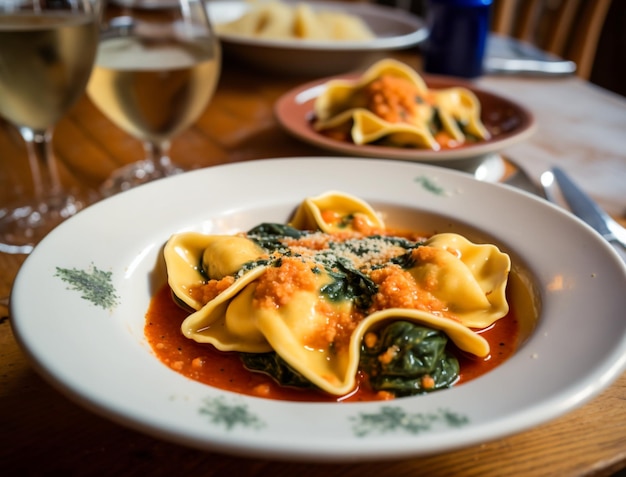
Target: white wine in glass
(47, 50)
(155, 73)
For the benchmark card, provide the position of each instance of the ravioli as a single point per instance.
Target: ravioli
(390, 103)
(469, 277)
(277, 20)
(310, 290)
(193, 258)
(335, 212)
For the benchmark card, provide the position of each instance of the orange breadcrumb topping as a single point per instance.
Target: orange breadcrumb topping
(385, 396)
(206, 292)
(398, 289)
(395, 99)
(370, 339)
(331, 216)
(388, 355)
(361, 224)
(278, 284)
(338, 327)
(428, 382)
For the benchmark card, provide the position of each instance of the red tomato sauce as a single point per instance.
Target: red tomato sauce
(224, 370)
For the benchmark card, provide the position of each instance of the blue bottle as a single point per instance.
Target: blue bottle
(458, 31)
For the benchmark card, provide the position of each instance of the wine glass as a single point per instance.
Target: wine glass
(47, 50)
(157, 67)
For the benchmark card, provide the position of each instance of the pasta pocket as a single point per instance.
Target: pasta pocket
(335, 212)
(307, 297)
(391, 104)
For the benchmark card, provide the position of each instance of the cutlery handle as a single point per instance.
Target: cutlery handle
(586, 209)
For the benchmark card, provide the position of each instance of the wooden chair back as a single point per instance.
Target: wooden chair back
(567, 28)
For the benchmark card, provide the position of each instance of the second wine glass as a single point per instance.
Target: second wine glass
(155, 73)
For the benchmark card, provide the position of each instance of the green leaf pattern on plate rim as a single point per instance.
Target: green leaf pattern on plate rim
(95, 285)
(230, 415)
(394, 418)
(429, 184)
(387, 419)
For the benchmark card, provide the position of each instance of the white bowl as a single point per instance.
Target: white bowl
(394, 29)
(90, 344)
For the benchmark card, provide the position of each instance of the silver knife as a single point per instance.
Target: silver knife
(585, 208)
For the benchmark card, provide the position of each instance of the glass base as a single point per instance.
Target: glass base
(136, 174)
(24, 224)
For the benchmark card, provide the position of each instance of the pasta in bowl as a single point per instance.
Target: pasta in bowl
(337, 302)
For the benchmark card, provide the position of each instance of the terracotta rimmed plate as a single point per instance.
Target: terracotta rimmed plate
(394, 29)
(507, 121)
(89, 341)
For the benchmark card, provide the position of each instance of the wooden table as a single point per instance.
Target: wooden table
(42, 432)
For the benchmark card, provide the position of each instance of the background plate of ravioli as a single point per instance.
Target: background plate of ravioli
(507, 121)
(393, 29)
(89, 342)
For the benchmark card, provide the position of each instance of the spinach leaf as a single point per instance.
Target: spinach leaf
(349, 284)
(269, 235)
(405, 261)
(281, 230)
(403, 355)
(469, 137)
(276, 367)
(345, 222)
(436, 124)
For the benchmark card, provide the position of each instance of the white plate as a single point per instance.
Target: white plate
(394, 29)
(98, 355)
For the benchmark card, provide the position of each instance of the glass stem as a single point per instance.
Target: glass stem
(158, 153)
(43, 168)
